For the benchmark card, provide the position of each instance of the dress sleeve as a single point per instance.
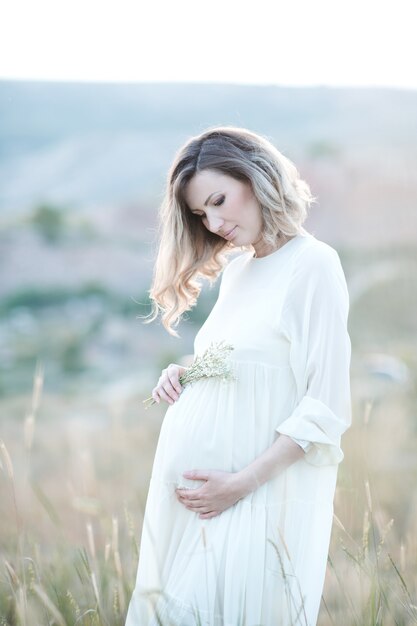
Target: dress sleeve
(314, 319)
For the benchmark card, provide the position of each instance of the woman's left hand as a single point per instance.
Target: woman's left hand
(220, 491)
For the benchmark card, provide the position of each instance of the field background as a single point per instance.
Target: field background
(82, 172)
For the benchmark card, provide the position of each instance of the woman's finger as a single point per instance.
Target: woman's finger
(165, 383)
(169, 390)
(173, 373)
(169, 387)
(208, 515)
(199, 508)
(191, 504)
(165, 396)
(191, 496)
(204, 511)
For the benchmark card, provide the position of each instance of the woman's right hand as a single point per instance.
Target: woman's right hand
(169, 387)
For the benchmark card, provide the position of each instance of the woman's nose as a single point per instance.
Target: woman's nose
(214, 222)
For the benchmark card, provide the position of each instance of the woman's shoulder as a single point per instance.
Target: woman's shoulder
(318, 265)
(315, 254)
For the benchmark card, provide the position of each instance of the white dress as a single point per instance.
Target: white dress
(262, 562)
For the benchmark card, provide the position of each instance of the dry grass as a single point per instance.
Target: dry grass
(73, 484)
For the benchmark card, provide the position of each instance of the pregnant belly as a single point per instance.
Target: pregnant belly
(197, 433)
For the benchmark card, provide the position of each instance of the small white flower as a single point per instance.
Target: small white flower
(213, 363)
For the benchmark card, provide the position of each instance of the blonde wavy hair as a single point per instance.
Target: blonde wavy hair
(187, 251)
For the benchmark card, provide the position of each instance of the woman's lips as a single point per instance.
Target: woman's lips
(230, 234)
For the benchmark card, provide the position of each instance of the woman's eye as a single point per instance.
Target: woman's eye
(219, 202)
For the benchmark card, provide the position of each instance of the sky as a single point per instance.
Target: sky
(292, 43)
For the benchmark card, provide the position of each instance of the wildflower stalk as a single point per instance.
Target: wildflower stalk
(213, 363)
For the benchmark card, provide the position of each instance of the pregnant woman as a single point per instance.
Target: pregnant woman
(239, 511)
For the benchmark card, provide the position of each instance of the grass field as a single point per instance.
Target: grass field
(73, 488)
(75, 467)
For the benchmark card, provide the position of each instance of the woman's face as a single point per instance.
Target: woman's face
(228, 207)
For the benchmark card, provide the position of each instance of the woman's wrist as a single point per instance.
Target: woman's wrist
(274, 460)
(246, 482)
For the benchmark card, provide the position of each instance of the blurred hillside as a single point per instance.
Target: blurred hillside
(104, 146)
(82, 173)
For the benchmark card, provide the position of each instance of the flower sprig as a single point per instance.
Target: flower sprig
(213, 363)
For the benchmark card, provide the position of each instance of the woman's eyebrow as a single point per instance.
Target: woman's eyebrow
(212, 194)
(206, 202)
